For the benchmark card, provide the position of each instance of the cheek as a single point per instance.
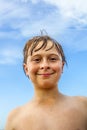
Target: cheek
(32, 69)
(57, 67)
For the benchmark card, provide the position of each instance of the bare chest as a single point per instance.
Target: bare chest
(71, 119)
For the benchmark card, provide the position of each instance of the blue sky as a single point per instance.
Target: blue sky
(65, 21)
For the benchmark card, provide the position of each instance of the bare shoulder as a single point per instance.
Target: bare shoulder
(11, 117)
(17, 116)
(82, 99)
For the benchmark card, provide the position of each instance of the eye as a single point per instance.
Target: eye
(37, 60)
(53, 59)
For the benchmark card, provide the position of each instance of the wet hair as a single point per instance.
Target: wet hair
(33, 43)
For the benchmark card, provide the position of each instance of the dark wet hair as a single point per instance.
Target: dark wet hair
(32, 44)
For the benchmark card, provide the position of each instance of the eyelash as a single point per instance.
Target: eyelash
(53, 59)
(37, 60)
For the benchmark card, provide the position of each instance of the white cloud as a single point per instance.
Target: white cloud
(71, 9)
(47, 24)
(18, 15)
(13, 13)
(9, 34)
(18, 19)
(10, 55)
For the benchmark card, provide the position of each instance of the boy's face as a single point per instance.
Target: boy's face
(43, 67)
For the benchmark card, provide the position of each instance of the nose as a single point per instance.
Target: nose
(44, 65)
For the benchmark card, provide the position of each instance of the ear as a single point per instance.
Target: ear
(63, 65)
(25, 69)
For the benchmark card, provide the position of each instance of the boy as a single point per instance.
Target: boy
(44, 60)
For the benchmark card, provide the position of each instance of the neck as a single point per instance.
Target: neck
(46, 95)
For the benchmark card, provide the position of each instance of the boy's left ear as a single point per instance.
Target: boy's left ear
(63, 66)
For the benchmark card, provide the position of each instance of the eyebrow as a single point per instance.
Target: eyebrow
(46, 54)
(51, 54)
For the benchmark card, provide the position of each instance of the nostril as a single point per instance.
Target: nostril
(45, 67)
(48, 67)
(41, 67)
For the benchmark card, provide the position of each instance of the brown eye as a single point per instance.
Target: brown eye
(37, 60)
(53, 59)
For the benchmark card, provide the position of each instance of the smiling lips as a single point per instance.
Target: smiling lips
(46, 74)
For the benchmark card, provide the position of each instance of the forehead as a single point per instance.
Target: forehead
(41, 46)
(44, 46)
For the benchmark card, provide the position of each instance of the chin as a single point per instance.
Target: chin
(47, 85)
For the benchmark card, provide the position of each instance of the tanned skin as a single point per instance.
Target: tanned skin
(49, 109)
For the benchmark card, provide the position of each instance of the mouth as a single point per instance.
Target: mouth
(46, 74)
